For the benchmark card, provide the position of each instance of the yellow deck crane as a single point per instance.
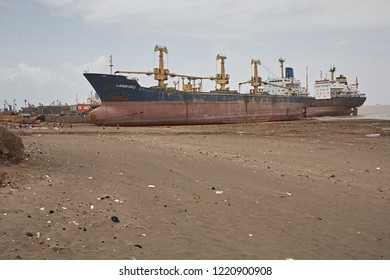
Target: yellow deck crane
(160, 74)
(255, 81)
(222, 78)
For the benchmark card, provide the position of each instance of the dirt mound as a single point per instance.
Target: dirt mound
(11, 146)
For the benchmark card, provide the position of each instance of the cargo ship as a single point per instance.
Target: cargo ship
(124, 102)
(335, 97)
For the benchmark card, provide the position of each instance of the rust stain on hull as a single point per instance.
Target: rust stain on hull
(170, 113)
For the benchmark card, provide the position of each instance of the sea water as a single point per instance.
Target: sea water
(366, 112)
(377, 112)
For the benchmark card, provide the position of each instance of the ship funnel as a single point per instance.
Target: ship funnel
(289, 72)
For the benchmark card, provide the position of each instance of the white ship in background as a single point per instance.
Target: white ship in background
(335, 97)
(332, 97)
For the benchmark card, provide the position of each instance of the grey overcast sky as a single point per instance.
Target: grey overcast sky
(46, 45)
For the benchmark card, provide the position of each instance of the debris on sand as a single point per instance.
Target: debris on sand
(40, 241)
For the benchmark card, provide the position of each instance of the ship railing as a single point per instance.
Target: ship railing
(345, 94)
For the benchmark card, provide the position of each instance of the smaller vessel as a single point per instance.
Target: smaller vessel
(335, 97)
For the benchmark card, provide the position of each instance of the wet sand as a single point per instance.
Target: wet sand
(311, 189)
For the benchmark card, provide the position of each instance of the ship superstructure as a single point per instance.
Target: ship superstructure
(326, 89)
(286, 84)
(335, 97)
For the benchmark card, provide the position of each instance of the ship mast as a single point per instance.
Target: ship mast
(282, 60)
(222, 79)
(307, 79)
(110, 65)
(332, 70)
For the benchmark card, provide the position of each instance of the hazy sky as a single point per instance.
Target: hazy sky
(46, 45)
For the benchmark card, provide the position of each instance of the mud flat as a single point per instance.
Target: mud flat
(308, 189)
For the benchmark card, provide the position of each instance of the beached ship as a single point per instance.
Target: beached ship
(335, 97)
(125, 102)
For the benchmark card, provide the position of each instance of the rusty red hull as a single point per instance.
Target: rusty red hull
(142, 113)
(335, 106)
(330, 111)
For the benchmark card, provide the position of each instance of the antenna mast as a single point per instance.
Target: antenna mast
(282, 60)
(110, 65)
(307, 79)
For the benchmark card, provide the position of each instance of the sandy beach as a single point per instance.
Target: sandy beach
(310, 189)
